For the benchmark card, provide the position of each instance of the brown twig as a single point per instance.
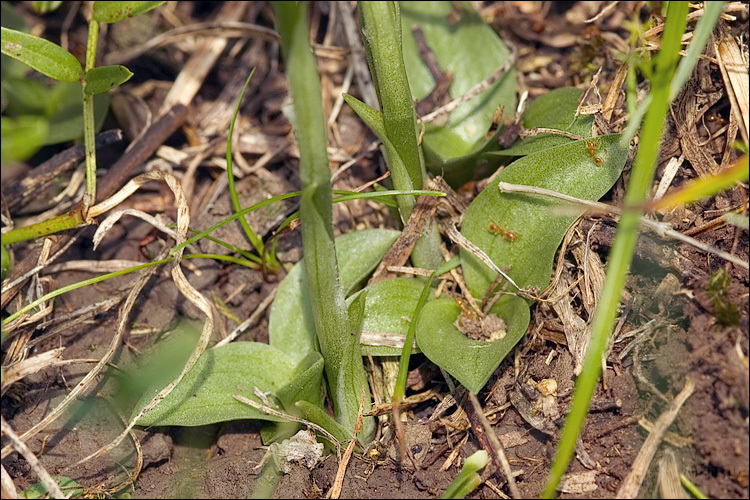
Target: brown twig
(487, 437)
(31, 459)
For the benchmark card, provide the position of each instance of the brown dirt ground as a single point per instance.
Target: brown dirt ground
(677, 324)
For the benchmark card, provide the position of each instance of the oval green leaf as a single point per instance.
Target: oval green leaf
(570, 169)
(291, 327)
(454, 31)
(204, 396)
(554, 110)
(471, 362)
(389, 304)
(44, 56)
(105, 78)
(111, 12)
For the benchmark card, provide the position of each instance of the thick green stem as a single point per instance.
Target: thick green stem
(339, 344)
(89, 128)
(55, 225)
(380, 23)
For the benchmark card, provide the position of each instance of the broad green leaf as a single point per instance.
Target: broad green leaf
(389, 303)
(306, 383)
(39, 490)
(204, 396)
(471, 362)
(44, 56)
(111, 12)
(568, 169)
(60, 104)
(554, 110)
(10, 67)
(22, 137)
(291, 327)
(469, 50)
(527, 258)
(27, 96)
(105, 78)
(318, 415)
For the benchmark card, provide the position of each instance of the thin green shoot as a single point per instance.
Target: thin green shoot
(468, 479)
(255, 241)
(691, 487)
(249, 256)
(620, 256)
(122, 272)
(285, 196)
(403, 366)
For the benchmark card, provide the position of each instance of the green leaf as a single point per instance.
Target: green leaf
(469, 50)
(67, 123)
(381, 29)
(111, 12)
(568, 169)
(471, 362)
(105, 78)
(388, 304)
(375, 120)
(204, 396)
(39, 490)
(468, 479)
(22, 137)
(317, 415)
(554, 110)
(306, 383)
(32, 97)
(528, 258)
(44, 56)
(290, 326)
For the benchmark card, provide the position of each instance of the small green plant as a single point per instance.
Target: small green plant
(468, 479)
(57, 63)
(318, 313)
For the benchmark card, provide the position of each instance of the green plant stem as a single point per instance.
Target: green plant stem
(70, 220)
(380, 23)
(338, 345)
(621, 255)
(403, 365)
(114, 274)
(692, 488)
(89, 128)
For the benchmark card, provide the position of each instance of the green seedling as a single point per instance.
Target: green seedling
(468, 479)
(55, 62)
(67, 485)
(318, 314)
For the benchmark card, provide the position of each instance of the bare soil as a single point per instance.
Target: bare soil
(685, 313)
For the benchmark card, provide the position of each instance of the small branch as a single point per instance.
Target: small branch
(33, 462)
